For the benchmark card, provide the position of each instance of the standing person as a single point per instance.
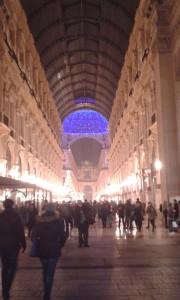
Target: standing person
(152, 214)
(120, 212)
(68, 217)
(83, 218)
(138, 215)
(128, 213)
(49, 235)
(165, 214)
(105, 209)
(176, 210)
(171, 216)
(110, 217)
(32, 213)
(12, 239)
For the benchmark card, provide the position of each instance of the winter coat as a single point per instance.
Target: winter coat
(12, 236)
(120, 210)
(151, 212)
(138, 213)
(49, 234)
(105, 209)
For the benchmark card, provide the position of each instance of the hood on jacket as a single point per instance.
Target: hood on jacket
(48, 217)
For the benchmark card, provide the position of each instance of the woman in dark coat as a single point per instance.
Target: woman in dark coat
(49, 236)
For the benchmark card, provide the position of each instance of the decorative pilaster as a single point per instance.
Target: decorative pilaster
(166, 109)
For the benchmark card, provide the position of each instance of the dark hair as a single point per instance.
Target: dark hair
(8, 203)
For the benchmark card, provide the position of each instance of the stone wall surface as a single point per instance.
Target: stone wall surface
(29, 121)
(144, 122)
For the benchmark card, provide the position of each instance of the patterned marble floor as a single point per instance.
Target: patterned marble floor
(116, 266)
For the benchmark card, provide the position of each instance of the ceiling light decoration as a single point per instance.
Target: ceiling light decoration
(85, 122)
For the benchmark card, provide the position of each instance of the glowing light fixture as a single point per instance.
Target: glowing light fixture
(158, 165)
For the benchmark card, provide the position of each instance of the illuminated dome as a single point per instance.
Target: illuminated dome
(85, 121)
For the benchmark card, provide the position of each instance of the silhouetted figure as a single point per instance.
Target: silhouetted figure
(12, 239)
(138, 215)
(171, 216)
(165, 214)
(68, 217)
(129, 214)
(176, 210)
(104, 212)
(120, 212)
(50, 237)
(152, 214)
(83, 217)
(32, 213)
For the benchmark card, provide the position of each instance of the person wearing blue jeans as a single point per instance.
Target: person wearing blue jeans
(49, 266)
(49, 237)
(9, 266)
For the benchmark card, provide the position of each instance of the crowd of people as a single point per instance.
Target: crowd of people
(48, 232)
(171, 214)
(49, 228)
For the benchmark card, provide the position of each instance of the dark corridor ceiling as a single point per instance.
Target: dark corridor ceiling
(82, 44)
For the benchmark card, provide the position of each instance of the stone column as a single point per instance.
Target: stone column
(166, 117)
(177, 90)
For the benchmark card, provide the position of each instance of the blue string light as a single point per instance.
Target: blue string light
(85, 121)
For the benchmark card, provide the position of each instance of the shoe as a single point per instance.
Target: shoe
(86, 245)
(80, 246)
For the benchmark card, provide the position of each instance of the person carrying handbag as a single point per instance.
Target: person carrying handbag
(47, 240)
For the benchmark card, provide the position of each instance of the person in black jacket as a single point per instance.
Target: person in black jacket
(12, 239)
(83, 218)
(50, 236)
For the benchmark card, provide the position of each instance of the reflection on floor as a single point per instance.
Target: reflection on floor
(119, 265)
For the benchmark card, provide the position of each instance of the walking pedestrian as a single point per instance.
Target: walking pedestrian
(49, 237)
(32, 213)
(12, 239)
(171, 217)
(152, 214)
(138, 215)
(105, 209)
(83, 218)
(165, 214)
(120, 212)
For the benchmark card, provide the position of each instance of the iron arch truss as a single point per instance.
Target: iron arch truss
(82, 45)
